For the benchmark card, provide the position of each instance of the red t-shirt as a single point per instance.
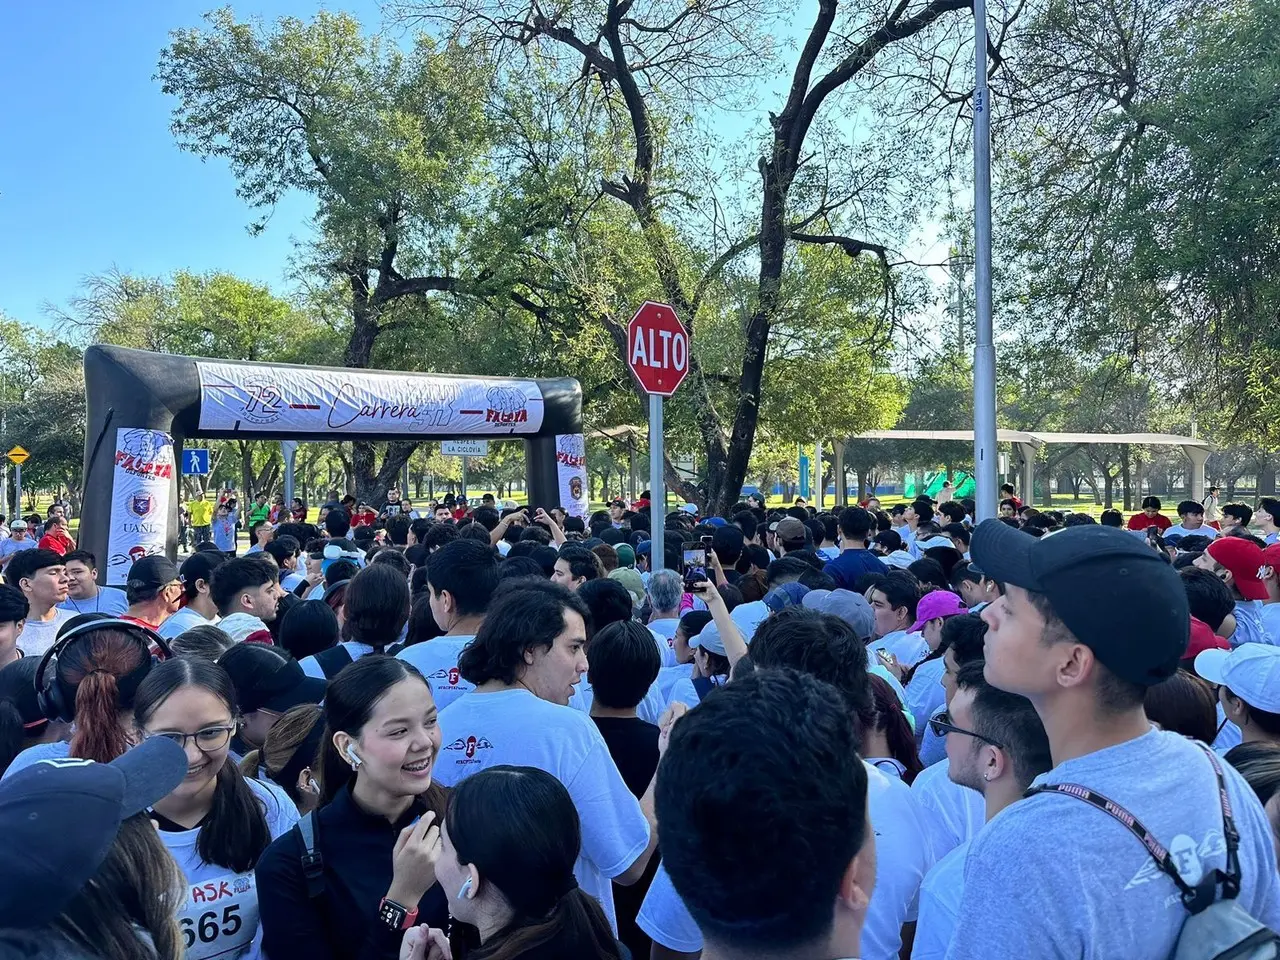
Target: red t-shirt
(366, 519)
(1140, 521)
(58, 542)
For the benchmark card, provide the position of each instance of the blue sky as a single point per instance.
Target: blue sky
(90, 176)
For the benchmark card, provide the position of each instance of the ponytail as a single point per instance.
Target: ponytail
(98, 733)
(250, 763)
(897, 730)
(575, 927)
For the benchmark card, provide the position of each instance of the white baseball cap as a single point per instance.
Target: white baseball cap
(1251, 671)
(18, 525)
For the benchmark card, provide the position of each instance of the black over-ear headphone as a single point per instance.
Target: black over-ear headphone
(55, 698)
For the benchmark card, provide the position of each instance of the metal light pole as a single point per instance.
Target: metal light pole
(657, 485)
(984, 351)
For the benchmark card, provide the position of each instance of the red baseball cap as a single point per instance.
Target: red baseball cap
(1245, 561)
(1203, 638)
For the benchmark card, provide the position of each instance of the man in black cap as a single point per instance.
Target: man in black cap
(60, 819)
(1089, 619)
(267, 682)
(197, 606)
(154, 591)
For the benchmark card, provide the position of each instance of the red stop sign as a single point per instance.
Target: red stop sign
(658, 348)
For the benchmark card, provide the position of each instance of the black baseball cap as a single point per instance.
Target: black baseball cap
(266, 678)
(152, 572)
(1114, 593)
(199, 566)
(59, 819)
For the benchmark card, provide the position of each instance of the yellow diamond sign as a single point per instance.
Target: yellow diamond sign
(18, 455)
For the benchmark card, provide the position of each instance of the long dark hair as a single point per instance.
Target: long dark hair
(376, 606)
(519, 827)
(349, 702)
(136, 891)
(235, 833)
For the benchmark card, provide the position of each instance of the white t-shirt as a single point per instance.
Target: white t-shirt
(437, 660)
(925, 695)
(908, 648)
(220, 915)
(940, 905)
(668, 677)
(39, 635)
(107, 600)
(311, 667)
(663, 631)
(1204, 530)
(515, 727)
(902, 857)
(182, 621)
(953, 814)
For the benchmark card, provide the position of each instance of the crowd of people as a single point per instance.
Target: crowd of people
(482, 730)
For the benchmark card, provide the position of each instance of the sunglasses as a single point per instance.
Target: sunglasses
(942, 725)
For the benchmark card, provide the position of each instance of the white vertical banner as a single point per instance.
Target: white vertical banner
(140, 486)
(571, 468)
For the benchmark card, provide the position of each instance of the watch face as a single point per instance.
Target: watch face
(392, 914)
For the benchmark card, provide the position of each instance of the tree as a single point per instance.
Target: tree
(399, 150)
(649, 68)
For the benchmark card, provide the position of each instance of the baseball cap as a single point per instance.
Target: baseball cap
(790, 529)
(784, 595)
(1245, 560)
(1203, 638)
(644, 549)
(199, 566)
(152, 572)
(849, 606)
(746, 616)
(689, 508)
(626, 554)
(18, 525)
(937, 603)
(268, 678)
(618, 502)
(631, 579)
(937, 541)
(60, 817)
(1115, 594)
(1251, 671)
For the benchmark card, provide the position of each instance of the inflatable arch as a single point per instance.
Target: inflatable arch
(142, 406)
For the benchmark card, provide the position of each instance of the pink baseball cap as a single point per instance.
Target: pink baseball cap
(938, 603)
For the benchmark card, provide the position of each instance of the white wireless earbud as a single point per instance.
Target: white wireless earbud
(465, 887)
(353, 758)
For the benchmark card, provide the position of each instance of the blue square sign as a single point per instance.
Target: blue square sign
(195, 463)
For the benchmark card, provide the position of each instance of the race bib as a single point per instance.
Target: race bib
(220, 917)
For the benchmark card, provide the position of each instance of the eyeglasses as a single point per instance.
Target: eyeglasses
(942, 725)
(208, 740)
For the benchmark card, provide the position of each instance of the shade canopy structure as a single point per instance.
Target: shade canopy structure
(1028, 444)
(142, 407)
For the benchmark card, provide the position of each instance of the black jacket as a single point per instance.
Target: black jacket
(342, 923)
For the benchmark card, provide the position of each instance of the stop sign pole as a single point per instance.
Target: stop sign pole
(658, 355)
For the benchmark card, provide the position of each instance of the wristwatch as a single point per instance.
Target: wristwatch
(396, 916)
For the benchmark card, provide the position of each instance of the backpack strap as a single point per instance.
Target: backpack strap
(333, 660)
(1204, 893)
(312, 861)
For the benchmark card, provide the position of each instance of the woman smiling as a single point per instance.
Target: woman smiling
(361, 870)
(216, 823)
